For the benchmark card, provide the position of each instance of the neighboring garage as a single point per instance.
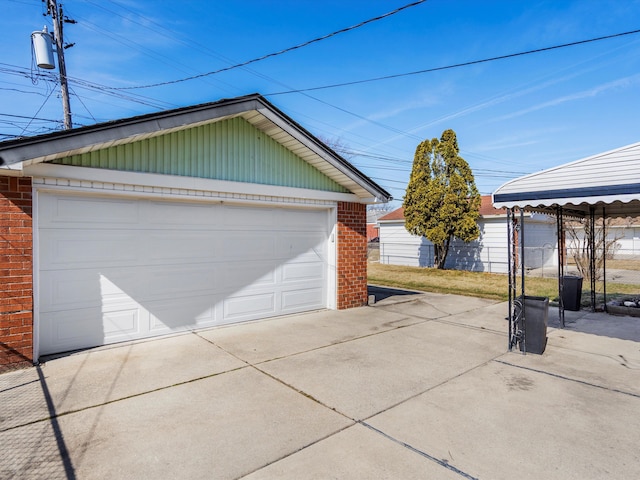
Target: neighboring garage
(185, 219)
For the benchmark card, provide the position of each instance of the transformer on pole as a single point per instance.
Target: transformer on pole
(43, 47)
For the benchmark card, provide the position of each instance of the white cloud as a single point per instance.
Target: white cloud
(592, 92)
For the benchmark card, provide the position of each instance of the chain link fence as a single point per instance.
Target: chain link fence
(619, 275)
(472, 258)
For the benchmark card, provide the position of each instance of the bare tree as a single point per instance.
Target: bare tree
(579, 236)
(337, 145)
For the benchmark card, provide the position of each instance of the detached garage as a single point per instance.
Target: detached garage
(185, 219)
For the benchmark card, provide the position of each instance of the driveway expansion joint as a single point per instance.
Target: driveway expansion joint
(441, 462)
(116, 400)
(563, 377)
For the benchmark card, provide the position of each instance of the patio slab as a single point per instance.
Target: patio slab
(502, 422)
(600, 361)
(365, 376)
(258, 342)
(105, 374)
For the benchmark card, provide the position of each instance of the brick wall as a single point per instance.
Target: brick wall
(16, 272)
(352, 255)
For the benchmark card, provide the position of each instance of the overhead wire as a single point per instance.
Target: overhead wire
(458, 65)
(280, 52)
(165, 59)
(39, 109)
(28, 118)
(133, 97)
(72, 91)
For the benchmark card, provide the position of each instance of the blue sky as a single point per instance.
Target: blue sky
(512, 116)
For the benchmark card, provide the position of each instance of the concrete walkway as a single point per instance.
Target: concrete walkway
(417, 386)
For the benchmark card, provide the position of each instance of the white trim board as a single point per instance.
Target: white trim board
(151, 180)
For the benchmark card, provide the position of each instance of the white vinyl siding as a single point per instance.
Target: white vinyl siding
(486, 254)
(398, 247)
(615, 167)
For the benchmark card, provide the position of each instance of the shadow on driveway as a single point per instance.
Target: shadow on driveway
(382, 293)
(598, 323)
(32, 442)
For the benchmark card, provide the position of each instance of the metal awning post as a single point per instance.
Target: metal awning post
(523, 322)
(516, 304)
(561, 262)
(592, 255)
(604, 260)
(510, 273)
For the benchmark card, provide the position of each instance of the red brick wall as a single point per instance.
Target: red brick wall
(352, 255)
(16, 272)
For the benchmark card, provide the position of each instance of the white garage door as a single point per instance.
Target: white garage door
(113, 269)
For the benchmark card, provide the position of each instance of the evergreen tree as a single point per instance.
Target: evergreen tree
(441, 201)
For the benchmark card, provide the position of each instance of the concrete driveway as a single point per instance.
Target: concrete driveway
(417, 386)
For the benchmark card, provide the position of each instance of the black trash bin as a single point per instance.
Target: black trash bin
(536, 321)
(571, 292)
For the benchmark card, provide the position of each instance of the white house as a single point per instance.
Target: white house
(486, 254)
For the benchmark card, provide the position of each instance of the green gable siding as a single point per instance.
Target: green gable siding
(231, 150)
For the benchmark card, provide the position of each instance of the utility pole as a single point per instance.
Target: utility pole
(58, 21)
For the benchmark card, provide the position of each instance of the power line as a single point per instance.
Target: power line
(274, 54)
(36, 114)
(458, 65)
(84, 105)
(162, 58)
(29, 118)
(132, 97)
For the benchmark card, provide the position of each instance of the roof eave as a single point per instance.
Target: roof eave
(30, 150)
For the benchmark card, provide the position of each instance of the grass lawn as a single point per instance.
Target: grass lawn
(474, 284)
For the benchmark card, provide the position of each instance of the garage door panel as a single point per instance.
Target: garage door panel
(173, 281)
(247, 218)
(202, 216)
(239, 246)
(312, 255)
(298, 272)
(188, 246)
(177, 267)
(69, 289)
(71, 247)
(71, 330)
(104, 248)
(306, 220)
(241, 274)
(84, 288)
(296, 244)
(295, 300)
(122, 323)
(245, 307)
(70, 211)
(74, 289)
(181, 314)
